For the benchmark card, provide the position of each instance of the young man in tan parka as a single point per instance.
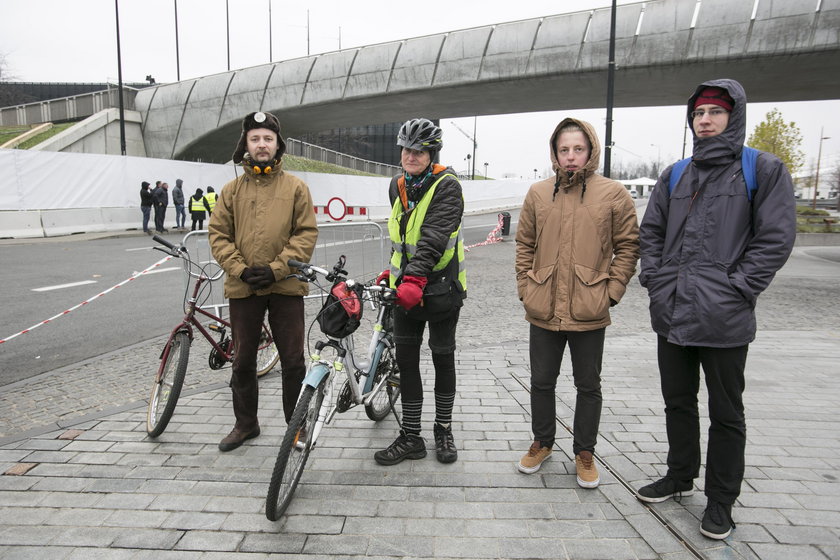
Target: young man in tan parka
(577, 244)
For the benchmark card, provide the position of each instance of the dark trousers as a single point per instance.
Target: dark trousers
(285, 319)
(723, 368)
(546, 349)
(408, 336)
(147, 213)
(160, 214)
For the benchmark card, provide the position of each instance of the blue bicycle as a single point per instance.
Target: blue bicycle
(373, 382)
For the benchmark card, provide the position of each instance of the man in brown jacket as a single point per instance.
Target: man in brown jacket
(262, 219)
(577, 244)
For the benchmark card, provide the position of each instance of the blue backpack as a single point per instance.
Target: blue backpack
(748, 160)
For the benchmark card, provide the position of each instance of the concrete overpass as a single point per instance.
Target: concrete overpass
(780, 51)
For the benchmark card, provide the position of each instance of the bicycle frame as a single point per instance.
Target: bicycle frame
(362, 390)
(189, 321)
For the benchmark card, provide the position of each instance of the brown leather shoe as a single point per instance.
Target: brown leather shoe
(237, 437)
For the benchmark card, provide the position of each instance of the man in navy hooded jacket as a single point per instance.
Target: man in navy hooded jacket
(708, 251)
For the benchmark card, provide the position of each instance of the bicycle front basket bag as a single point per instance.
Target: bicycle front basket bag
(341, 314)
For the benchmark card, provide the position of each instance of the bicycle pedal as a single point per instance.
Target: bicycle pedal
(216, 327)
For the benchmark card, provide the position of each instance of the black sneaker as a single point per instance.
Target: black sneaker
(445, 444)
(663, 489)
(406, 446)
(717, 520)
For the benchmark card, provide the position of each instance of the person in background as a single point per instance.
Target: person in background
(211, 200)
(429, 274)
(263, 218)
(160, 196)
(146, 203)
(178, 201)
(577, 244)
(198, 206)
(710, 247)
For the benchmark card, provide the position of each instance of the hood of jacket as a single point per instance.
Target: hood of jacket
(562, 178)
(727, 145)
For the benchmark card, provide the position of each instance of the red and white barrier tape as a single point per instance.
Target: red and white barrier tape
(65, 312)
(492, 237)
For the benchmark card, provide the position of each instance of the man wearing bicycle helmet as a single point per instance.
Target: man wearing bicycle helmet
(261, 220)
(427, 269)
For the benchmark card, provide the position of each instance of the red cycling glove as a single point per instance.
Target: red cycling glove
(410, 291)
(385, 276)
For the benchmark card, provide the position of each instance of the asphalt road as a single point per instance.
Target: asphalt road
(141, 309)
(150, 305)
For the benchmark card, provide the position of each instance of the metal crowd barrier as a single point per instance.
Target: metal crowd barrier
(365, 244)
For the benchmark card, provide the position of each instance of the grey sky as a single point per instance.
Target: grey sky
(59, 40)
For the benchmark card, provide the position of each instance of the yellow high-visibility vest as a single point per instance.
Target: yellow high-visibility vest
(412, 236)
(211, 200)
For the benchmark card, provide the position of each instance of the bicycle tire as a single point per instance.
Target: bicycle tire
(381, 405)
(167, 390)
(290, 459)
(267, 354)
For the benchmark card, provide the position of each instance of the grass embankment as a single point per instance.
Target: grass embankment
(10, 132)
(290, 162)
(809, 220)
(295, 163)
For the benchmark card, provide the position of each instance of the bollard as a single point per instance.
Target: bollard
(505, 219)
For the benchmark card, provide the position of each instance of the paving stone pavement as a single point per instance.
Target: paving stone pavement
(92, 485)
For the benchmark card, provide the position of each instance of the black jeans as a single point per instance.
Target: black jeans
(546, 349)
(160, 216)
(679, 372)
(285, 319)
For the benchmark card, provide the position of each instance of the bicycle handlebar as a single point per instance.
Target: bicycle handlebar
(308, 272)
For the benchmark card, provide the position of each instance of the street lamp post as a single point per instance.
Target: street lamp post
(177, 47)
(119, 78)
(817, 175)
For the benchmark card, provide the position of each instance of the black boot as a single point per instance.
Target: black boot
(406, 446)
(445, 444)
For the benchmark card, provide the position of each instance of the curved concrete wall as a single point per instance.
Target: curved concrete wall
(788, 51)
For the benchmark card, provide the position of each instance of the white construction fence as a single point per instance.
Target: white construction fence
(44, 194)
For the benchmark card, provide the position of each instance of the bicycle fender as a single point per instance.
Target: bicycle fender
(315, 375)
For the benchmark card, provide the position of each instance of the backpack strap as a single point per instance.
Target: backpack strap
(749, 157)
(676, 173)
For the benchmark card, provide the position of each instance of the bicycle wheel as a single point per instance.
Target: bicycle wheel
(267, 355)
(165, 392)
(293, 452)
(382, 402)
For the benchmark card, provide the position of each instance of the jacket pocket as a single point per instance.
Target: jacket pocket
(590, 295)
(538, 297)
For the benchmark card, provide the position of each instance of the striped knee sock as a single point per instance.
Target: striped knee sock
(443, 408)
(411, 412)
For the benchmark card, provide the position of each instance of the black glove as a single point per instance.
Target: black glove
(248, 275)
(263, 277)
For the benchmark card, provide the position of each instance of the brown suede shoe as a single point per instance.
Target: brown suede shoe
(237, 437)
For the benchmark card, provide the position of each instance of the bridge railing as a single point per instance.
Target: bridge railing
(74, 107)
(311, 151)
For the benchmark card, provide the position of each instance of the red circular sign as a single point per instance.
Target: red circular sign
(330, 207)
